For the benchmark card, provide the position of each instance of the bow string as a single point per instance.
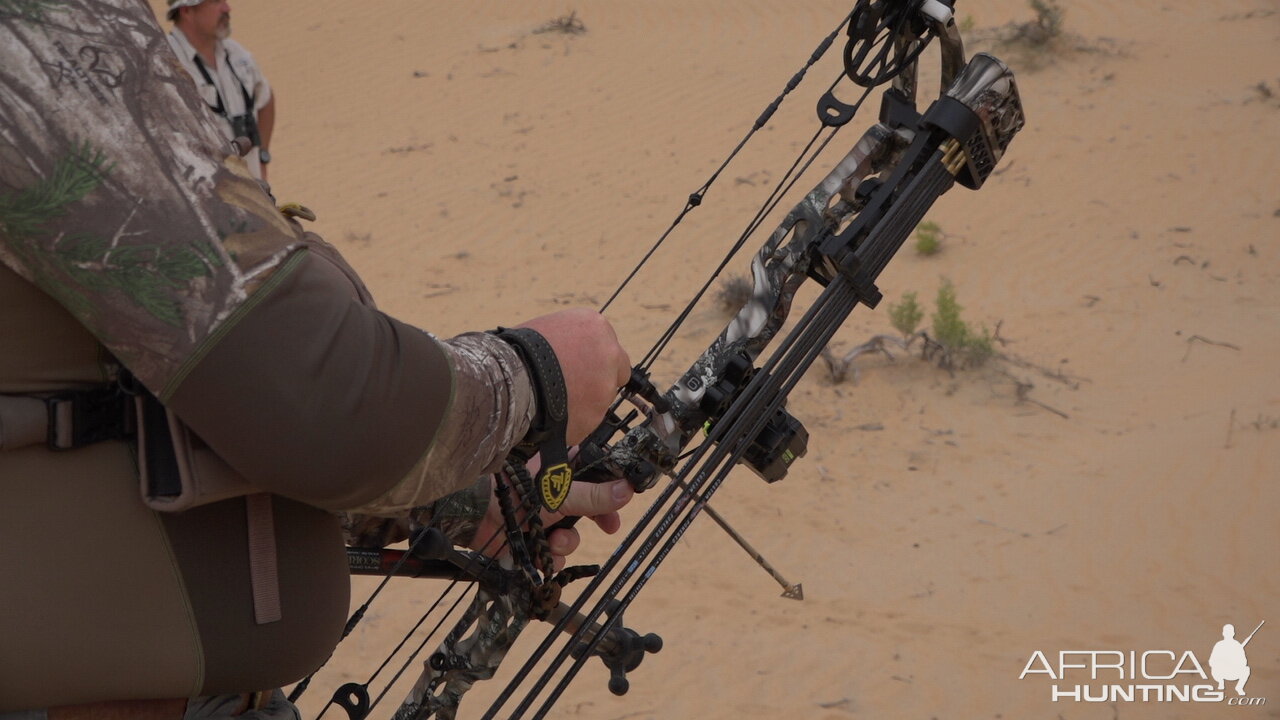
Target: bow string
(730, 405)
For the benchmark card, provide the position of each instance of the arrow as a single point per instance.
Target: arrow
(789, 590)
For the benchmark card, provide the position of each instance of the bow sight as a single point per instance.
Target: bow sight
(842, 234)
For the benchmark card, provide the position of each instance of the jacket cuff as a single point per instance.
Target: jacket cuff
(490, 412)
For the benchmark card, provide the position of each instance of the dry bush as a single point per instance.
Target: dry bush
(734, 292)
(565, 25)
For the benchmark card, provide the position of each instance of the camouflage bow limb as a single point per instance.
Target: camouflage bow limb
(494, 620)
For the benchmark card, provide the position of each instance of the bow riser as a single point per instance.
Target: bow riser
(778, 270)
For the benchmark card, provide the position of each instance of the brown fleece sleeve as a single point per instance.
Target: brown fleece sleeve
(311, 394)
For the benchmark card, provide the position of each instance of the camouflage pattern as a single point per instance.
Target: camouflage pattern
(120, 199)
(371, 531)
(471, 652)
(778, 269)
(458, 516)
(118, 195)
(491, 409)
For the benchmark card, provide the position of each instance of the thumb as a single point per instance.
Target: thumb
(591, 499)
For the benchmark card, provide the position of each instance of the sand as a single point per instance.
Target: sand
(944, 526)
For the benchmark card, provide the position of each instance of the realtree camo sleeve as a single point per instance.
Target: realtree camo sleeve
(119, 198)
(492, 409)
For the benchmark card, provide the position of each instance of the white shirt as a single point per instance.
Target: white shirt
(235, 69)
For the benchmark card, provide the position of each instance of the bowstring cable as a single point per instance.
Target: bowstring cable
(760, 407)
(405, 666)
(657, 507)
(499, 534)
(769, 204)
(387, 660)
(779, 192)
(695, 199)
(355, 619)
(592, 586)
(775, 197)
(794, 369)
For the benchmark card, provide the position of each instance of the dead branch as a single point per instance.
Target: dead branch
(839, 367)
(565, 25)
(1206, 341)
(1023, 389)
(1070, 381)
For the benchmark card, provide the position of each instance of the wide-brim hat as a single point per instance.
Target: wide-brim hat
(175, 4)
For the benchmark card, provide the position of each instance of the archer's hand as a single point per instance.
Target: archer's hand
(593, 363)
(598, 501)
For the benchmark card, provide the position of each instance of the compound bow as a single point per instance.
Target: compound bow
(842, 234)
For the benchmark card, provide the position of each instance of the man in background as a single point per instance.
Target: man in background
(226, 75)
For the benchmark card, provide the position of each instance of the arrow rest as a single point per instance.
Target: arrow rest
(783, 439)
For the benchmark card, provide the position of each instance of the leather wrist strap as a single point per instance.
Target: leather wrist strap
(547, 431)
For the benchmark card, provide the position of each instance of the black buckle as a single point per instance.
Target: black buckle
(83, 417)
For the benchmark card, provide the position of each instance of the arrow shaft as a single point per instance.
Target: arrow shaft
(791, 590)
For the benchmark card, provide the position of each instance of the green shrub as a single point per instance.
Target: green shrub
(928, 238)
(948, 328)
(980, 348)
(906, 315)
(960, 344)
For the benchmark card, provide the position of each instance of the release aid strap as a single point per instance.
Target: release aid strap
(547, 431)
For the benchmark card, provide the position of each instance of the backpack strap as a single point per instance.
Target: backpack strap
(264, 578)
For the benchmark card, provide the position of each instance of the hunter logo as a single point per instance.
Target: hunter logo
(555, 486)
(1228, 661)
(1150, 675)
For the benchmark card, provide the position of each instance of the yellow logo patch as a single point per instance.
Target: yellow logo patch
(555, 486)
